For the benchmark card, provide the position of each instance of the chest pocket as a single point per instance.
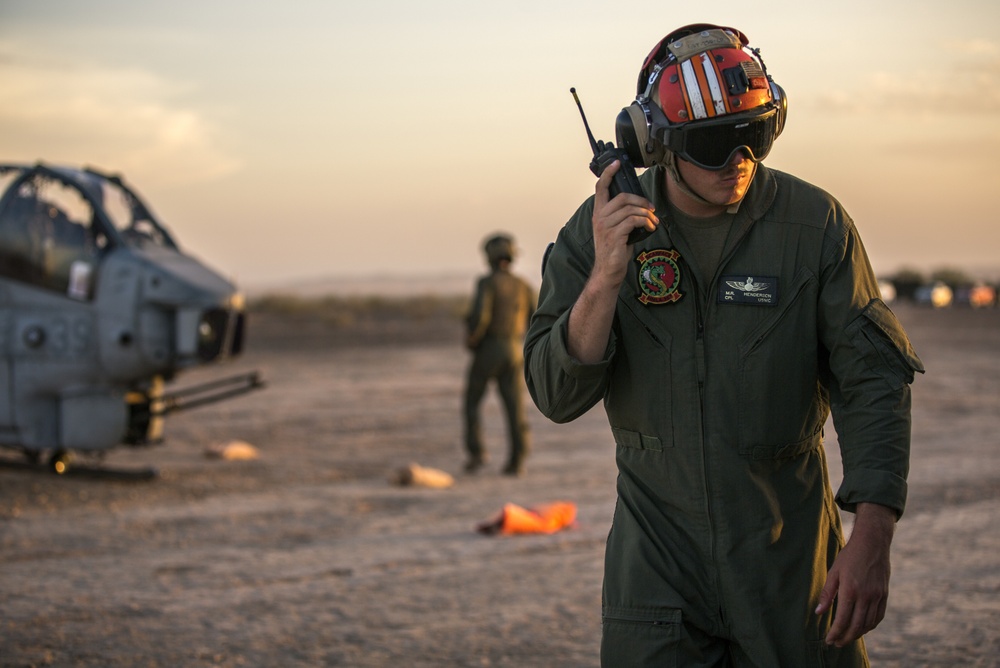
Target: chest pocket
(638, 400)
(780, 414)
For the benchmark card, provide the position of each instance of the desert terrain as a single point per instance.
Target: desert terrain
(309, 556)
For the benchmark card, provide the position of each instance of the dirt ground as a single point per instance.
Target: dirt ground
(308, 556)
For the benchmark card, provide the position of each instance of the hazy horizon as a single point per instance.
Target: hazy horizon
(462, 282)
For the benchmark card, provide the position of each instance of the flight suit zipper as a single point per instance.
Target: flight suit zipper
(699, 351)
(729, 251)
(702, 310)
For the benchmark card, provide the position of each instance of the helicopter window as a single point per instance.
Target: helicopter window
(131, 219)
(48, 239)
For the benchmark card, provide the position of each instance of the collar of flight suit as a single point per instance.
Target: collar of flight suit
(758, 199)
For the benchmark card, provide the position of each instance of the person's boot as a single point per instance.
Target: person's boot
(474, 464)
(515, 469)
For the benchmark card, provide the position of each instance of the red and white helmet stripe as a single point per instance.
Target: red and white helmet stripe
(702, 90)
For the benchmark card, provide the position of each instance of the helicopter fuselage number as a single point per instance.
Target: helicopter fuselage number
(56, 336)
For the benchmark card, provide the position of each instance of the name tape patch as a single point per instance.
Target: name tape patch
(760, 290)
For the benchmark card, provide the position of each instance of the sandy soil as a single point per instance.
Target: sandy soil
(307, 556)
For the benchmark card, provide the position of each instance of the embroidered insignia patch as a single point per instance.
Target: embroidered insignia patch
(749, 290)
(659, 276)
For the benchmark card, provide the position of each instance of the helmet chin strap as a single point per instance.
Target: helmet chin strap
(670, 162)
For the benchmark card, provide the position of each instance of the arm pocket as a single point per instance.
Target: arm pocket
(884, 345)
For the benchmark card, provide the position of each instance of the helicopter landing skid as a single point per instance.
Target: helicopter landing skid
(59, 464)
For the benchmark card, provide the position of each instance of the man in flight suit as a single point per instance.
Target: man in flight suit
(501, 307)
(719, 345)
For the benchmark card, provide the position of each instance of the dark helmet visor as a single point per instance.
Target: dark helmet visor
(711, 144)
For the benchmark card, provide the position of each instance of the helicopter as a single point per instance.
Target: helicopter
(99, 310)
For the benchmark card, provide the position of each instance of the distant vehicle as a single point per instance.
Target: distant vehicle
(888, 291)
(936, 294)
(99, 309)
(978, 295)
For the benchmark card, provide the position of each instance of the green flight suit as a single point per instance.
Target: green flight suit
(725, 524)
(501, 307)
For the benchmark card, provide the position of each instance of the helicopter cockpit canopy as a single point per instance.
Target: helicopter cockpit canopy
(135, 224)
(56, 222)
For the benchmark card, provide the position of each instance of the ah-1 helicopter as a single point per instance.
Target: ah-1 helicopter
(99, 308)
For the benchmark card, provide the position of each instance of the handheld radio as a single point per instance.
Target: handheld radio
(625, 180)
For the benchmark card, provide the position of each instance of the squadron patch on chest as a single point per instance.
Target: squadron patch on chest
(741, 289)
(659, 276)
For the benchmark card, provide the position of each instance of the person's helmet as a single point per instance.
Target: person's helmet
(499, 247)
(702, 94)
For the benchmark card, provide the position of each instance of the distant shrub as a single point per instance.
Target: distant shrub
(907, 281)
(347, 310)
(952, 277)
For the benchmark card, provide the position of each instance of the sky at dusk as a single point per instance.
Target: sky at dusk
(283, 142)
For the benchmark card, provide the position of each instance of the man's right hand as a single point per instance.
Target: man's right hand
(594, 310)
(614, 219)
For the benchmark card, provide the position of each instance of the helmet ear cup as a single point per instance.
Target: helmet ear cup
(778, 93)
(632, 134)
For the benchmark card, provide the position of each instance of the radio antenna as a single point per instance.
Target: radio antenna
(590, 135)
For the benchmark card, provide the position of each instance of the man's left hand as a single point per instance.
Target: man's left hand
(859, 578)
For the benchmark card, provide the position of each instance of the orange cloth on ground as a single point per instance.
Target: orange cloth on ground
(546, 518)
